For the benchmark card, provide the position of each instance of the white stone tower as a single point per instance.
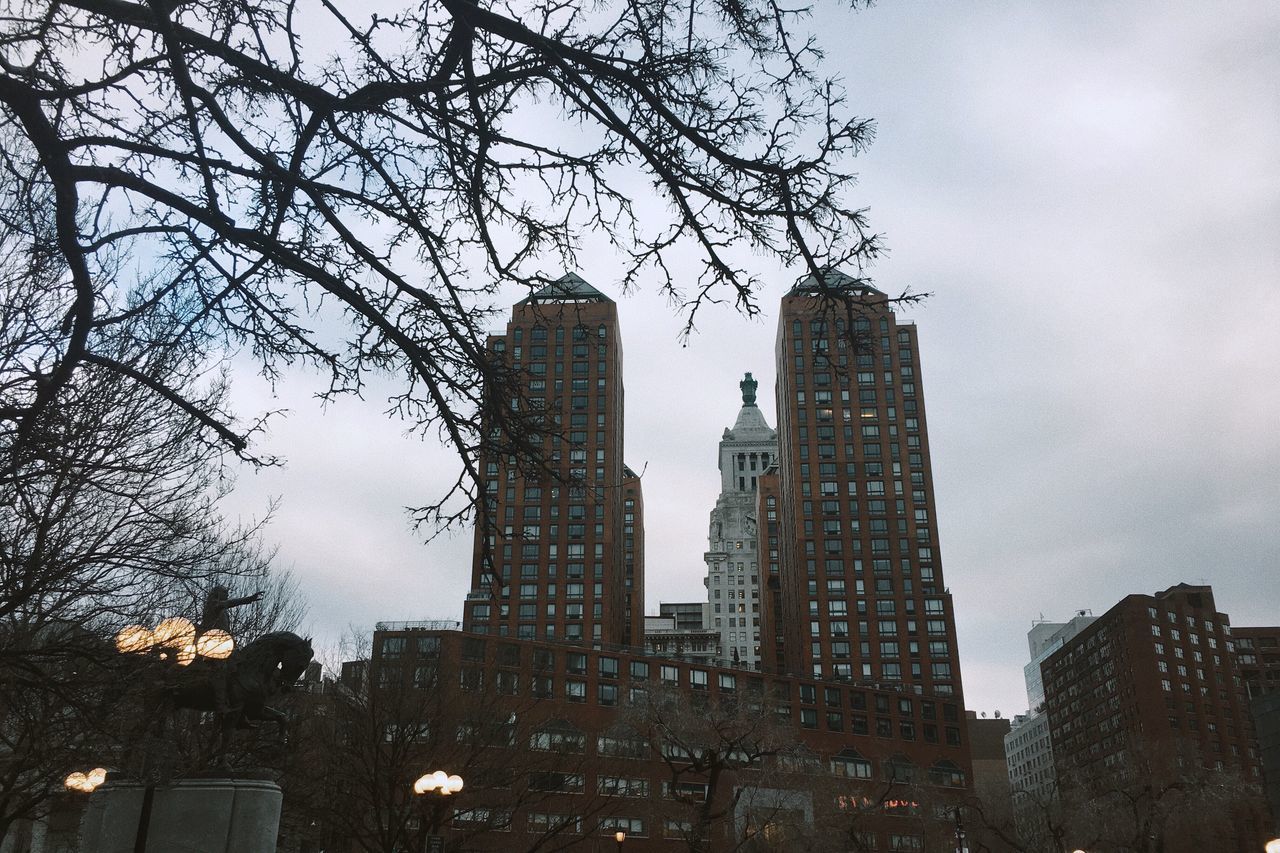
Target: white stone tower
(733, 558)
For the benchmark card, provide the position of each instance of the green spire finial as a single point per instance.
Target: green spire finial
(748, 386)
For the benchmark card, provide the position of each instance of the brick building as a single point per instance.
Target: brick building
(861, 700)
(1258, 658)
(593, 741)
(561, 557)
(1146, 704)
(991, 788)
(862, 594)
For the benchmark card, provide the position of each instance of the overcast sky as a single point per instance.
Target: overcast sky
(1091, 191)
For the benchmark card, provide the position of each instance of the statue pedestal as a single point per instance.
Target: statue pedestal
(189, 816)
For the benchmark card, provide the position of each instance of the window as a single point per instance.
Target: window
(542, 822)
(946, 774)
(899, 768)
(623, 786)
(568, 783)
(851, 764)
(622, 744)
(632, 826)
(393, 647)
(558, 736)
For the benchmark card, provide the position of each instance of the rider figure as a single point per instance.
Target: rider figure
(214, 616)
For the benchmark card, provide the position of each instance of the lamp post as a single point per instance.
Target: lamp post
(961, 847)
(441, 783)
(621, 836)
(1273, 846)
(85, 783)
(179, 641)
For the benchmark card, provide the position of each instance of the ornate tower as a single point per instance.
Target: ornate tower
(733, 557)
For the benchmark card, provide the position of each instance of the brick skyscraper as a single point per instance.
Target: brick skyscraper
(564, 568)
(861, 592)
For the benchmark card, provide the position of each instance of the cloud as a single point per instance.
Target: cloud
(1092, 193)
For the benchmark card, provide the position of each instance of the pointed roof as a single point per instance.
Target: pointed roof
(750, 425)
(570, 287)
(834, 281)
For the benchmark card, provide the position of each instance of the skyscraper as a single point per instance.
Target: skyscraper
(860, 576)
(733, 554)
(555, 561)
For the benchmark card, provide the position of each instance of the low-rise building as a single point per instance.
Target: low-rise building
(639, 743)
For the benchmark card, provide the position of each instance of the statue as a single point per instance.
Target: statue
(214, 617)
(237, 690)
(216, 606)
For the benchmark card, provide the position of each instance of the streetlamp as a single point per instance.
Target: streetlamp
(621, 836)
(438, 781)
(85, 783)
(1273, 846)
(176, 639)
(443, 784)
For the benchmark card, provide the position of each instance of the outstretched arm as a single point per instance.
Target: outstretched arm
(236, 602)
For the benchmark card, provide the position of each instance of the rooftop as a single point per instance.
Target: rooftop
(570, 287)
(834, 281)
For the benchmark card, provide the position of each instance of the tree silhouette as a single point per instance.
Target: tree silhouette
(350, 195)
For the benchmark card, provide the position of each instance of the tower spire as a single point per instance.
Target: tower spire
(748, 387)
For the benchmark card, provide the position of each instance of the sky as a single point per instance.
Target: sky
(1091, 194)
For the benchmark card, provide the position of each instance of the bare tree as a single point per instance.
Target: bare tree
(714, 751)
(349, 194)
(365, 742)
(108, 516)
(1146, 802)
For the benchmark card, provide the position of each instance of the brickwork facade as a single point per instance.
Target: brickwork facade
(884, 766)
(554, 562)
(858, 536)
(1151, 691)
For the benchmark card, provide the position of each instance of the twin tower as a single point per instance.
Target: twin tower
(823, 555)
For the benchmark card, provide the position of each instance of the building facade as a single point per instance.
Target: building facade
(556, 557)
(1028, 748)
(733, 554)
(1258, 658)
(687, 615)
(860, 572)
(563, 745)
(1044, 639)
(987, 737)
(1148, 698)
(835, 629)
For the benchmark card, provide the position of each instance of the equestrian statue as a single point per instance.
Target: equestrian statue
(237, 690)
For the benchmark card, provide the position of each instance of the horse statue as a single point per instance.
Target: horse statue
(237, 690)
